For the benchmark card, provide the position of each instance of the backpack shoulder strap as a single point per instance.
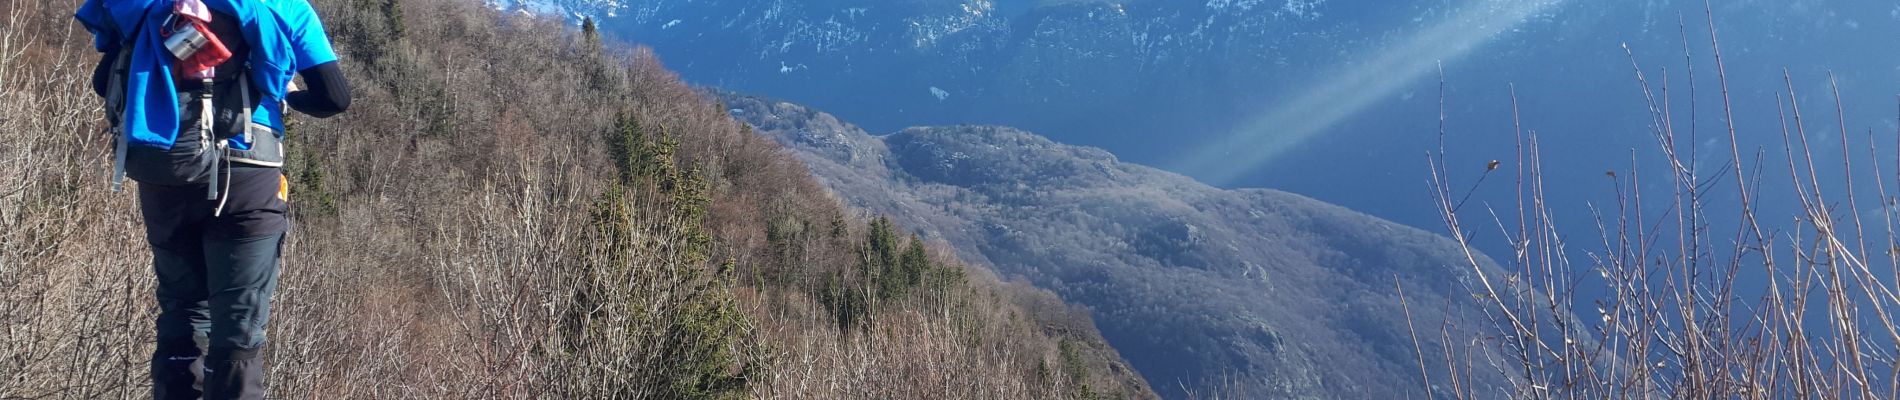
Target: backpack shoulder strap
(119, 75)
(116, 112)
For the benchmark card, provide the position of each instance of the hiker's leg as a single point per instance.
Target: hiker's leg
(183, 322)
(243, 275)
(183, 314)
(243, 249)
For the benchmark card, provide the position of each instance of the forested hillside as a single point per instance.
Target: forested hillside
(513, 209)
(1251, 293)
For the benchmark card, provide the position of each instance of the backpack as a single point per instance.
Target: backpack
(220, 109)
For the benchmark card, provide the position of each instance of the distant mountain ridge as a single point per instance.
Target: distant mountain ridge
(1191, 86)
(1047, 65)
(1256, 292)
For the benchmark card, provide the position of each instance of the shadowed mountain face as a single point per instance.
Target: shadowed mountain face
(1255, 292)
(1061, 67)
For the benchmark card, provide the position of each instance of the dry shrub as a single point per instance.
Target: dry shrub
(1705, 299)
(75, 291)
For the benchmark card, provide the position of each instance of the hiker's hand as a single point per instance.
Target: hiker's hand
(289, 87)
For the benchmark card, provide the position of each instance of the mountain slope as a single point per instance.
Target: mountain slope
(1256, 292)
(1049, 65)
(512, 210)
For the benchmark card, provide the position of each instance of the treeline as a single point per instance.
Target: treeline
(514, 209)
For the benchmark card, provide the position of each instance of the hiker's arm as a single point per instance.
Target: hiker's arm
(329, 93)
(103, 72)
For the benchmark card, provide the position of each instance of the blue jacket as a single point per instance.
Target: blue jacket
(284, 37)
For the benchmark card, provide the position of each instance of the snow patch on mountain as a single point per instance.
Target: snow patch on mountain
(573, 10)
(1304, 9)
(926, 31)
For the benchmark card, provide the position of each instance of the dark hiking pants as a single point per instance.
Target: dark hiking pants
(215, 278)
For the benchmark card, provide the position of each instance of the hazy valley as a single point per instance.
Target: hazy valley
(1270, 293)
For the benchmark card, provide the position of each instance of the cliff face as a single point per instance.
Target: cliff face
(1257, 292)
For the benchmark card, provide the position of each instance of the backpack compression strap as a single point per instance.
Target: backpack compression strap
(243, 121)
(206, 117)
(115, 100)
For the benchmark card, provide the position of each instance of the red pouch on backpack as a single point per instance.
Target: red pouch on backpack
(202, 64)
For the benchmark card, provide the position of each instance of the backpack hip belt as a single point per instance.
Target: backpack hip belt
(266, 144)
(267, 148)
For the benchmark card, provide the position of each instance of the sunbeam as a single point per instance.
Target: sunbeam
(1357, 86)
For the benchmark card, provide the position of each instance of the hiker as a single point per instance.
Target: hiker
(195, 91)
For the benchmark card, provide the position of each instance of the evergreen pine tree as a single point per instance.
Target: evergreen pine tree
(590, 33)
(914, 263)
(392, 14)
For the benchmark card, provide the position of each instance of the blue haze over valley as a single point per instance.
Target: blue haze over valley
(1336, 100)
